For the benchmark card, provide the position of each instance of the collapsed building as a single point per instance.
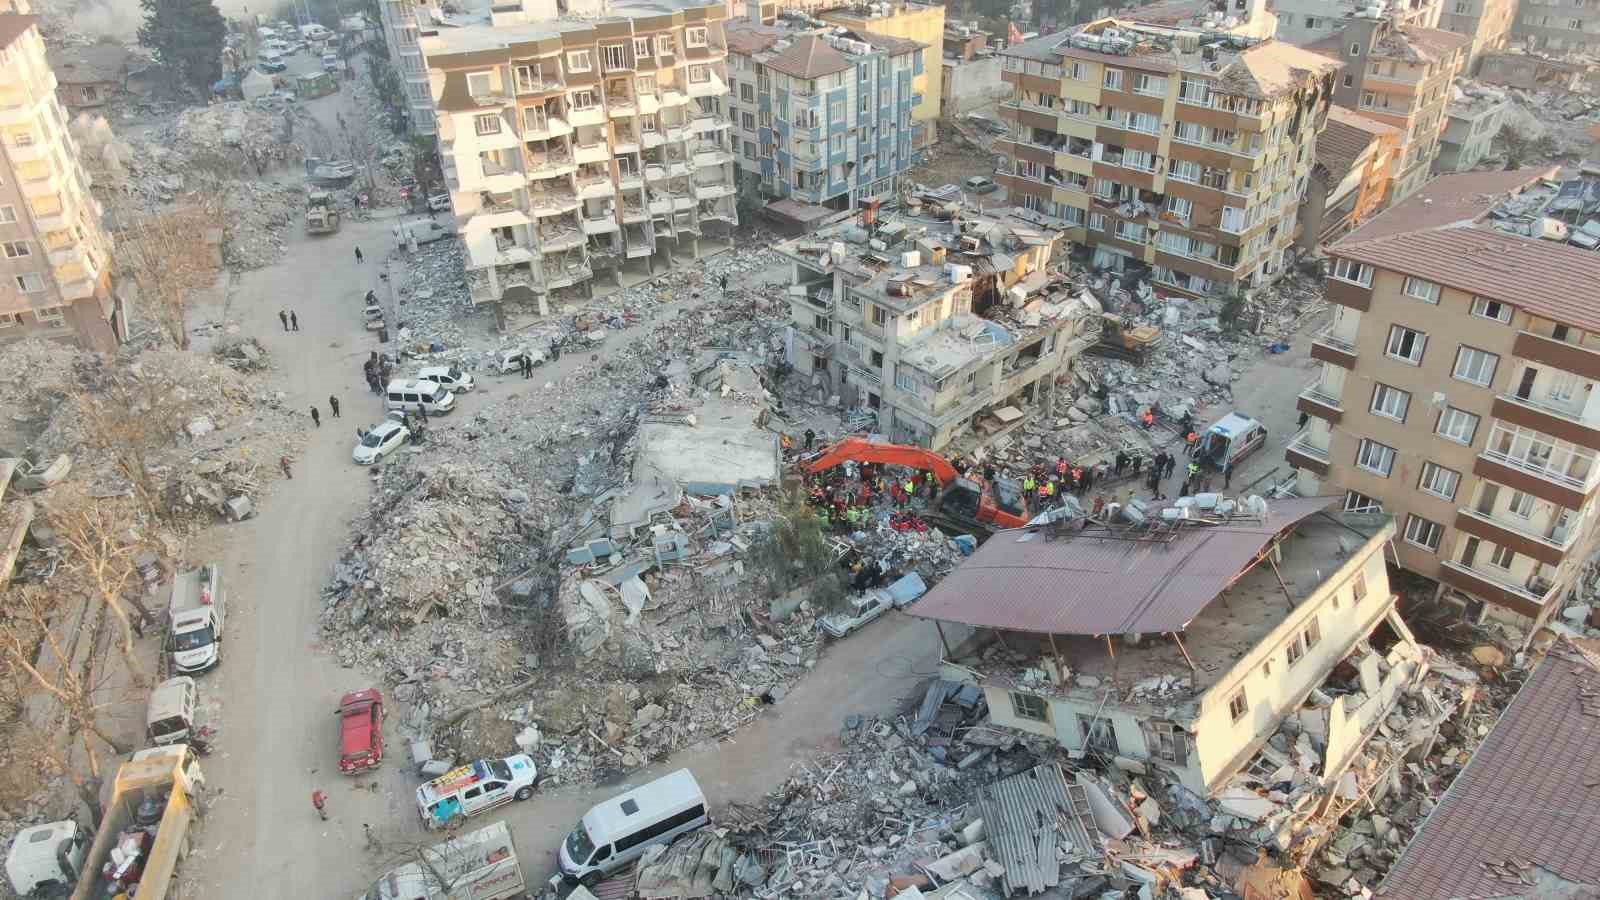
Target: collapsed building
(934, 328)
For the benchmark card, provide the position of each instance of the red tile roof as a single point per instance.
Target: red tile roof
(1102, 585)
(1347, 135)
(1447, 200)
(809, 57)
(1528, 795)
(14, 26)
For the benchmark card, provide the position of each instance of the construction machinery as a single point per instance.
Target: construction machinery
(1120, 340)
(966, 500)
(321, 217)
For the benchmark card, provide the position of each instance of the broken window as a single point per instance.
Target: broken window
(1098, 734)
(1029, 706)
(1169, 742)
(1313, 633)
(1359, 591)
(1238, 705)
(1295, 650)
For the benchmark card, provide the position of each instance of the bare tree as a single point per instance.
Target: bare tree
(131, 414)
(104, 538)
(169, 258)
(77, 692)
(435, 869)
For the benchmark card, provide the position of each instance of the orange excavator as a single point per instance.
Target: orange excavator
(967, 500)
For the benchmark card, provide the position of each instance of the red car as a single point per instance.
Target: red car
(360, 731)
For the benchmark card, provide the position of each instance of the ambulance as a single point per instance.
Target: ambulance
(474, 788)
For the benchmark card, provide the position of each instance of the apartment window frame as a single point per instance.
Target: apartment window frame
(614, 57)
(1399, 336)
(8, 214)
(1238, 705)
(51, 317)
(484, 78)
(487, 124)
(1464, 361)
(695, 36)
(1357, 502)
(1351, 272)
(1295, 650)
(1448, 426)
(1311, 635)
(1169, 742)
(16, 249)
(665, 45)
(1031, 707)
(641, 48)
(580, 61)
(1493, 310)
(1390, 402)
(1111, 79)
(1375, 457)
(1433, 479)
(29, 282)
(1503, 557)
(1521, 504)
(1421, 289)
(1423, 533)
(1148, 85)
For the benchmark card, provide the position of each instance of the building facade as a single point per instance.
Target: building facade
(1400, 75)
(1558, 26)
(936, 330)
(1470, 127)
(1487, 22)
(919, 22)
(403, 22)
(1351, 179)
(54, 252)
(1304, 22)
(599, 145)
(1166, 150)
(821, 116)
(1456, 391)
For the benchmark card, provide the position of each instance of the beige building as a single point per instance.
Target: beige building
(1183, 152)
(1457, 390)
(55, 256)
(577, 147)
(946, 335)
(1487, 22)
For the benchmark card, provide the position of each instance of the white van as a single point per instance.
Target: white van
(616, 832)
(171, 713)
(424, 231)
(411, 396)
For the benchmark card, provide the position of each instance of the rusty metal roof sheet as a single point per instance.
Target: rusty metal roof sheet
(1085, 584)
(1525, 800)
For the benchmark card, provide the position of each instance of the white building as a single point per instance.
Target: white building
(402, 32)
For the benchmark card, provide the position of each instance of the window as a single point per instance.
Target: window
(1029, 706)
(614, 56)
(1149, 85)
(1423, 533)
(1238, 705)
(487, 124)
(479, 84)
(1313, 22)
(664, 45)
(641, 47)
(1355, 49)
(1491, 309)
(763, 118)
(582, 99)
(1294, 651)
(1391, 403)
(879, 316)
(1521, 505)
(1183, 170)
(1358, 591)
(663, 827)
(16, 249)
(1439, 481)
(1130, 231)
(1355, 501)
(30, 283)
(1098, 734)
(1475, 366)
(1349, 81)
(1170, 742)
(54, 317)
(1193, 91)
(747, 93)
(1313, 633)
(1422, 290)
(579, 61)
(836, 111)
(1457, 425)
(749, 148)
(1406, 345)
(1502, 557)
(1353, 272)
(699, 74)
(1145, 123)
(8, 214)
(1113, 80)
(1188, 132)
(1375, 457)
(694, 37)
(644, 84)
(1097, 222)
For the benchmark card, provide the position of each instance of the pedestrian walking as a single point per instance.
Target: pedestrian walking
(320, 801)
(723, 281)
(811, 438)
(333, 404)
(284, 318)
(1227, 476)
(422, 412)
(316, 417)
(294, 321)
(358, 256)
(283, 463)
(527, 367)
(372, 839)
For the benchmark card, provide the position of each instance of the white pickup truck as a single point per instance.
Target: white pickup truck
(195, 618)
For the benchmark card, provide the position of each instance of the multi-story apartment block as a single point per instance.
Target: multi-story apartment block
(1399, 74)
(55, 256)
(1458, 390)
(402, 34)
(919, 22)
(1472, 121)
(1558, 26)
(1182, 152)
(1303, 22)
(1350, 181)
(821, 116)
(936, 330)
(1487, 22)
(571, 146)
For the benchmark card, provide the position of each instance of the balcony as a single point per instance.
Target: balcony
(38, 151)
(555, 241)
(625, 143)
(675, 133)
(596, 187)
(660, 206)
(1531, 476)
(551, 165)
(619, 108)
(1333, 349)
(1303, 452)
(566, 276)
(630, 179)
(652, 139)
(673, 97)
(817, 296)
(654, 172)
(1315, 400)
(635, 212)
(713, 190)
(1522, 599)
(711, 87)
(1561, 355)
(707, 124)
(649, 104)
(592, 115)
(550, 203)
(596, 152)
(538, 84)
(704, 159)
(605, 224)
(546, 128)
(50, 219)
(1562, 420)
(1550, 547)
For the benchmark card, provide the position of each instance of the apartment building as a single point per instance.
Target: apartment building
(1178, 152)
(1558, 26)
(1472, 120)
(1304, 22)
(55, 255)
(583, 145)
(946, 335)
(1351, 179)
(919, 22)
(1400, 75)
(1456, 390)
(821, 116)
(403, 22)
(1487, 22)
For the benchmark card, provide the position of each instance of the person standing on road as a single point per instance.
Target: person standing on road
(294, 321)
(333, 404)
(284, 318)
(320, 801)
(811, 438)
(316, 416)
(283, 463)
(358, 256)
(722, 280)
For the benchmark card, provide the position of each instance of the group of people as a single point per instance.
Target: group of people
(843, 498)
(377, 370)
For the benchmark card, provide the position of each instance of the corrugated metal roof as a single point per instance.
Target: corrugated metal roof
(1526, 799)
(1085, 584)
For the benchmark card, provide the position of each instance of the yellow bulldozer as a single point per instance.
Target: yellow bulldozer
(321, 217)
(1120, 340)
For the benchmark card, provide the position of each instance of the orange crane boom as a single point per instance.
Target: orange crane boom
(867, 450)
(967, 499)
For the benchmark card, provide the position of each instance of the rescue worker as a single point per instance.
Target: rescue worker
(1148, 420)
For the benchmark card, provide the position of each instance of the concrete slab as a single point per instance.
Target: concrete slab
(722, 451)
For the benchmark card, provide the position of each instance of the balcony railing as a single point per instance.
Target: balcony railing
(1305, 445)
(1326, 336)
(1319, 395)
(1535, 590)
(1558, 537)
(1534, 467)
(1572, 412)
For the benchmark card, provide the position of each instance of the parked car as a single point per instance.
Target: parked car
(448, 377)
(360, 731)
(863, 609)
(384, 438)
(439, 202)
(978, 184)
(511, 360)
(271, 66)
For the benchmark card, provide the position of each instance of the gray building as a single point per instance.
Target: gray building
(1473, 119)
(1558, 26)
(402, 33)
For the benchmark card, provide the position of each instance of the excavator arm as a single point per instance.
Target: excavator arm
(865, 450)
